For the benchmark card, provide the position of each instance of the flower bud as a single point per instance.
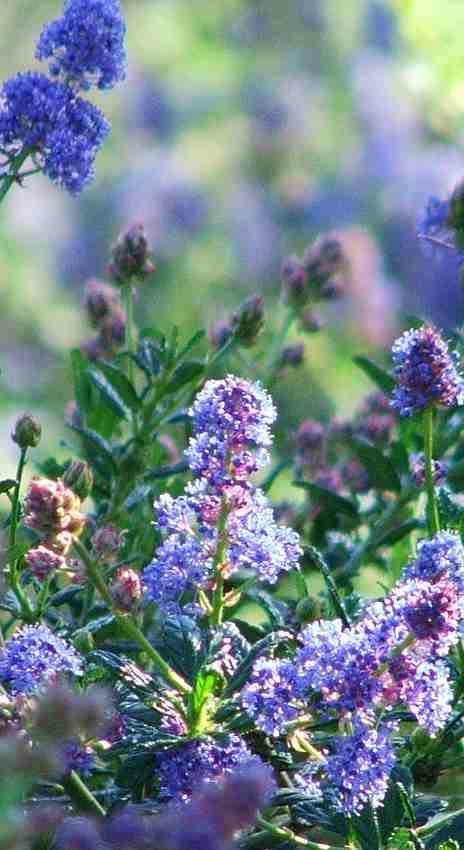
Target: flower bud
(107, 541)
(292, 355)
(100, 300)
(27, 432)
(43, 562)
(326, 265)
(310, 436)
(219, 333)
(126, 589)
(79, 477)
(308, 610)
(310, 322)
(248, 321)
(294, 282)
(130, 261)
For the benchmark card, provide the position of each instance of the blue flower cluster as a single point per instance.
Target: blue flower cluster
(35, 656)
(86, 45)
(44, 118)
(182, 769)
(231, 422)
(426, 372)
(394, 655)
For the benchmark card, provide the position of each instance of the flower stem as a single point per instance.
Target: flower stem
(433, 515)
(127, 624)
(128, 297)
(286, 834)
(82, 796)
(218, 596)
(8, 180)
(26, 608)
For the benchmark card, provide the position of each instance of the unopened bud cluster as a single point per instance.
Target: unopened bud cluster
(53, 511)
(130, 257)
(319, 275)
(106, 314)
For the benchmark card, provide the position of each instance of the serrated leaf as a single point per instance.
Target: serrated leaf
(97, 443)
(330, 500)
(185, 373)
(138, 495)
(382, 473)
(167, 470)
(120, 382)
(110, 396)
(383, 379)
(180, 645)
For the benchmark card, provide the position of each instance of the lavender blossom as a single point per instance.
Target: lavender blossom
(359, 769)
(86, 45)
(425, 372)
(443, 555)
(182, 769)
(45, 120)
(231, 423)
(271, 695)
(178, 567)
(35, 656)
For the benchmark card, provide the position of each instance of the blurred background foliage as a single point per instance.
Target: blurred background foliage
(245, 128)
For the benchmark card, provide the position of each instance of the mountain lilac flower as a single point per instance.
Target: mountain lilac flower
(341, 665)
(258, 543)
(425, 372)
(35, 656)
(178, 567)
(424, 687)
(182, 769)
(231, 424)
(269, 696)
(443, 555)
(86, 45)
(431, 612)
(360, 767)
(61, 131)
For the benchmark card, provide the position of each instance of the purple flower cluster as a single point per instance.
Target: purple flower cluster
(443, 555)
(86, 45)
(44, 118)
(34, 656)
(182, 769)
(231, 420)
(62, 132)
(425, 372)
(394, 655)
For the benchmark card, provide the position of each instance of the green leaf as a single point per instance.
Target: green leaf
(453, 830)
(109, 394)
(167, 470)
(382, 473)
(82, 388)
(185, 373)
(94, 442)
(180, 645)
(120, 382)
(193, 341)
(7, 484)
(330, 500)
(397, 808)
(384, 380)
